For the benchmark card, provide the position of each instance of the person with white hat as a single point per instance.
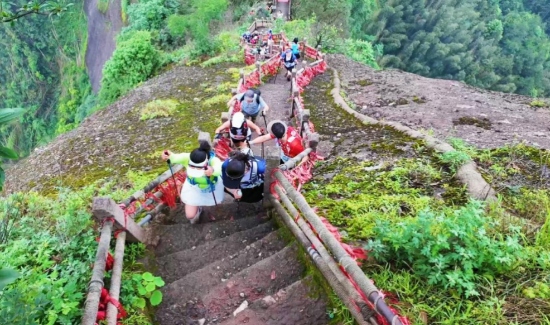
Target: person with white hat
(287, 138)
(203, 185)
(240, 131)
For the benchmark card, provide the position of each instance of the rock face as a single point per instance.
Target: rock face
(102, 32)
(483, 118)
(115, 139)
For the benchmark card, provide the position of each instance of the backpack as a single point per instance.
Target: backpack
(258, 94)
(212, 180)
(256, 173)
(238, 133)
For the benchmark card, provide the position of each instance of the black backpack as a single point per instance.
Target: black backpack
(238, 133)
(258, 94)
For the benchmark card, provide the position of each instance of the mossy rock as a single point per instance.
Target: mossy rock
(402, 101)
(482, 122)
(538, 103)
(419, 100)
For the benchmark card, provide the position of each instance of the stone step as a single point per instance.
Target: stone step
(298, 303)
(177, 265)
(263, 278)
(195, 284)
(178, 237)
(226, 210)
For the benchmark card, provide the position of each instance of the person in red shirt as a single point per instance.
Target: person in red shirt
(287, 138)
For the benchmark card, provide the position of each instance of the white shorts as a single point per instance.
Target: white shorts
(193, 195)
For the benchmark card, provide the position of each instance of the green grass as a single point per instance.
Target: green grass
(103, 5)
(159, 108)
(413, 233)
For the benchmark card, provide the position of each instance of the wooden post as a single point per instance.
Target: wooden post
(107, 208)
(259, 67)
(205, 136)
(96, 284)
(272, 158)
(116, 278)
(225, 117)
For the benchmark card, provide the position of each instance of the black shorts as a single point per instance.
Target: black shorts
(297, 55)
(250, 195)
(236, 142)
(290, 68)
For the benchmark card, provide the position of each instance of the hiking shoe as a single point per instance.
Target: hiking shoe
(196, 218)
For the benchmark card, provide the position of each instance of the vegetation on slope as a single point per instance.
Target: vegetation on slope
(447, 260)
(43, 70)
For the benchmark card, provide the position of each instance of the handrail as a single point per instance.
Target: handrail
(96, 284)
(340, 255)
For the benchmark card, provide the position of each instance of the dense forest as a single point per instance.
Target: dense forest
(42, 70)
(495, 44)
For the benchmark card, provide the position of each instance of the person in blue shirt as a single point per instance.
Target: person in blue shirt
(295, 47)
(251, 104)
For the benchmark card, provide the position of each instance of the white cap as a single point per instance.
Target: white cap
(237, 119)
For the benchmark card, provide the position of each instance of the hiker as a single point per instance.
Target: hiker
(203, 185)
(251, 103)
(246, 37)
(240, 131)
(295, 47)
(270, 7)
(287, 137)
(289, 61)
(243, 177)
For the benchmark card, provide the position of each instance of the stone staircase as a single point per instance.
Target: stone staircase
(235, 255)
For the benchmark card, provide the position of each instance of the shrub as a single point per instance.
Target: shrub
(177, 25)
(159, 108)
(455, 159)
(449, 250)
(134, 60)
(150, 14)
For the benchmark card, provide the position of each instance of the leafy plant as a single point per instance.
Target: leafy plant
(7, 276)
(455, 159)
(147, 286)
(7, 115)
(449, 250)
(134, 60)
(538, 103)
(159, 108)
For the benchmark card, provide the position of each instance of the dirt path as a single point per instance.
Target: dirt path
(451, 109)
(102, 32)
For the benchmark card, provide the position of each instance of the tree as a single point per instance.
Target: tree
(134, 60)
(41, 7)
(7, 115)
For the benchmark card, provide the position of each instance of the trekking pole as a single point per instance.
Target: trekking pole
(172, 173)
(211, 186)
